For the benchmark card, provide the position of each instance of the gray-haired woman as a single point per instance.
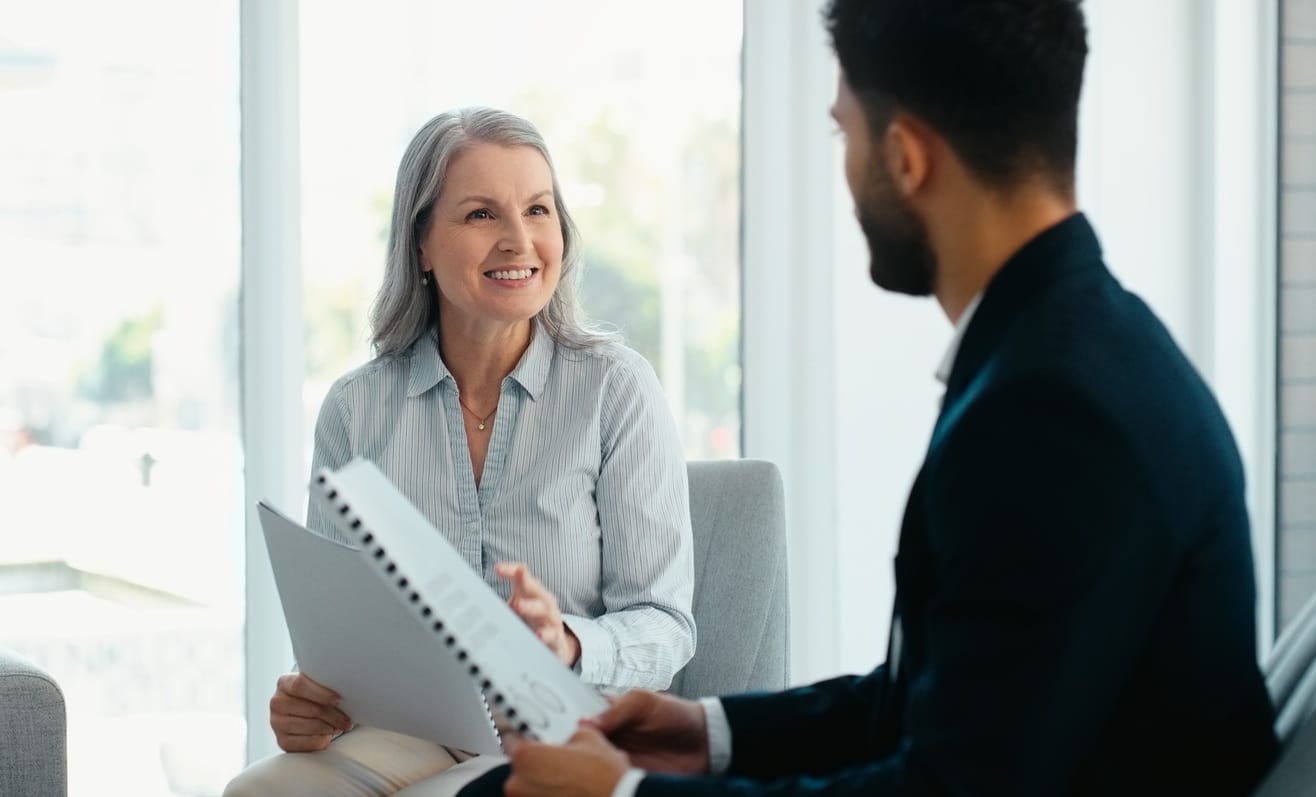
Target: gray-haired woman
(542, 449)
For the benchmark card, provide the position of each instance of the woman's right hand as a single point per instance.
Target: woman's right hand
(305, 715)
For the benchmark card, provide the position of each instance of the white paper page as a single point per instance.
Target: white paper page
(352, 634)
(545, 695)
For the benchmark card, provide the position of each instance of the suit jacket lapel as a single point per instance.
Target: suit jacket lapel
(1065, 248)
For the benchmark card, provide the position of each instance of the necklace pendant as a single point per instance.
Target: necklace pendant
(481, 426)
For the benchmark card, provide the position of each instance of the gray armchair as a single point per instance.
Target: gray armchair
(33, 733)
(738, 514)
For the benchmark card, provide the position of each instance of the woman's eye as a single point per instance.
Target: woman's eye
(538, 210)
(476, 215)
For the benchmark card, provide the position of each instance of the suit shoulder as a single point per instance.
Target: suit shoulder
(1105, 355)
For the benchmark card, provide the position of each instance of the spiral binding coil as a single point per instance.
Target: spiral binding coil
(490, 696)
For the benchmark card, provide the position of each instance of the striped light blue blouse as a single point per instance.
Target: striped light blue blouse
(584, 481)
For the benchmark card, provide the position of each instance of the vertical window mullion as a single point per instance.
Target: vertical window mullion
(272, 366)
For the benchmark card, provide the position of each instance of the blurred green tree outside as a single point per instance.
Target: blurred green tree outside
(122, 371)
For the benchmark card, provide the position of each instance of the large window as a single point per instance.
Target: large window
(642, 115)
(120, 466)
(121, 462)
(1297, 309)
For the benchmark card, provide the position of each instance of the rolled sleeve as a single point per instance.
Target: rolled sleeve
(598, 651)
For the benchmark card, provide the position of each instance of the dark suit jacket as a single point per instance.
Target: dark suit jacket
(1074, 578)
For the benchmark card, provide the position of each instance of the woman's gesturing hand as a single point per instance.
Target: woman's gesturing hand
(532, 601)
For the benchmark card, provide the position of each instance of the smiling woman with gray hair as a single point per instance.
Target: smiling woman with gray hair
(540, 447)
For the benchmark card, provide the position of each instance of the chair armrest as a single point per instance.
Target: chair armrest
(33, 730)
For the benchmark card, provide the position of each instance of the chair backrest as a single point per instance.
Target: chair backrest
(738, 514)
(33, 730)
(1291, 681)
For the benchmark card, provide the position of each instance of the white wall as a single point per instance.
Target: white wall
(839, 386)
(839, 383)
(789, 354)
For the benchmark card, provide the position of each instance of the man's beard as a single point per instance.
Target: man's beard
(900, 256)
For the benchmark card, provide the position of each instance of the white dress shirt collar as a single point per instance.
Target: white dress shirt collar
(948, 360)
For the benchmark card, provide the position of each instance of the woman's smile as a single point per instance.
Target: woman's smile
(513, 275)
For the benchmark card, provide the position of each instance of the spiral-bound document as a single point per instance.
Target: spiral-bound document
(450, 603)
(351, 633)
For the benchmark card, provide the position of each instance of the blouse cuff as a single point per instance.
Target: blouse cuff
(598, 653)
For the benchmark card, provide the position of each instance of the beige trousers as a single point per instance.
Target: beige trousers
(366, 762)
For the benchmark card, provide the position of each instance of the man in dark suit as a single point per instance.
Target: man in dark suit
(1075, 599)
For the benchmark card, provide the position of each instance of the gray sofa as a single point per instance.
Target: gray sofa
(33, 732)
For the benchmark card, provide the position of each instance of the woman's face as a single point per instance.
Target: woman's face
(495, 240)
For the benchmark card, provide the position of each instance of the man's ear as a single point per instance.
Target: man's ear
(907, 148)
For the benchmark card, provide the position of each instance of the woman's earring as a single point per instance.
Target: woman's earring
(424, 278)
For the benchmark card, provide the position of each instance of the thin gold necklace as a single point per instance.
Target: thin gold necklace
(480, 421)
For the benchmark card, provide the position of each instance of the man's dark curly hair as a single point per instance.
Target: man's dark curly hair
(999, 79)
